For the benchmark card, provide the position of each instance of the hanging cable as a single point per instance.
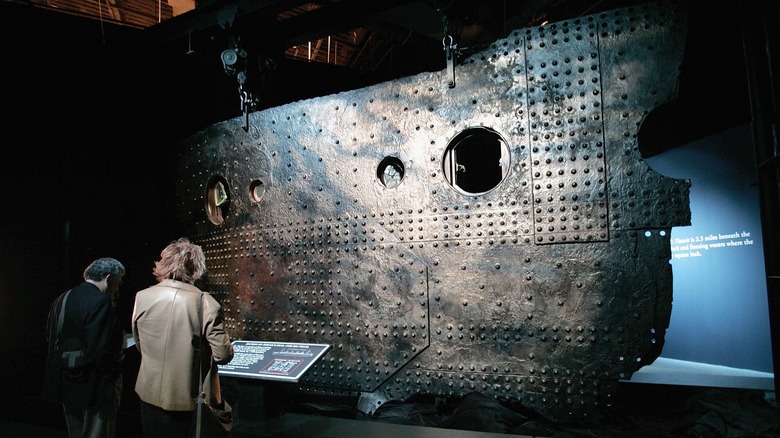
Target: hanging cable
(102, 31)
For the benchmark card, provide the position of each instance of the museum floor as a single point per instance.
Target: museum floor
(640, 410)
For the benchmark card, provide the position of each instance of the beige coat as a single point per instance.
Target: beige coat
(165, 328)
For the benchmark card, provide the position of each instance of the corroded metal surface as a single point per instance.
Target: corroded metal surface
(340, 220)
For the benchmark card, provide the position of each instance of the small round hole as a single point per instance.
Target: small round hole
(257, 191)
(390, 172)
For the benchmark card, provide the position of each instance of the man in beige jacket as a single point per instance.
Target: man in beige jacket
(169, 321)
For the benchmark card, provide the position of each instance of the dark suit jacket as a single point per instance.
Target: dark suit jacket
(89, 315)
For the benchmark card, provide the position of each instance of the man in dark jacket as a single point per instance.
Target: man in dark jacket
(85, 349)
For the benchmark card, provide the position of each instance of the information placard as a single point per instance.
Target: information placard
(284, 361)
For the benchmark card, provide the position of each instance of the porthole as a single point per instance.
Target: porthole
(257, 191)
(390, 172)
(476, 160)
(217, 200)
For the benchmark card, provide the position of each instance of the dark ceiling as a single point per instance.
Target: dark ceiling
(299, 49)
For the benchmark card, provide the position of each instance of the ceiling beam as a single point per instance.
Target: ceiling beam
(257, 20)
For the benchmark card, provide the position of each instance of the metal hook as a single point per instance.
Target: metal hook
(450, 53)
(246, 100)
(189, 44)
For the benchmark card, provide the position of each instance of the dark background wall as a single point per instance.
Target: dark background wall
(83, 166)
(90, 118)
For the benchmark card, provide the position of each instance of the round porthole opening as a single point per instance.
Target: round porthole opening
(390, 172)
(257, 191)
(476, 160)
(217, 200)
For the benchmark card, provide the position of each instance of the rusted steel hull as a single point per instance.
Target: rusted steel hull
(352, 220)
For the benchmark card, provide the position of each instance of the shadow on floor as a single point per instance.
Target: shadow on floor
(640, 410)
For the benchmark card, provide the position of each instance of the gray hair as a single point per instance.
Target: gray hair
(103, 267)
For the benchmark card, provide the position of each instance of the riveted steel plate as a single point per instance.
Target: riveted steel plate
(360, 220)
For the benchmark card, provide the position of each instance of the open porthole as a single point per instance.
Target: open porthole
(257, 191)
(217, 199)
(390, 172)
(476, 160)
